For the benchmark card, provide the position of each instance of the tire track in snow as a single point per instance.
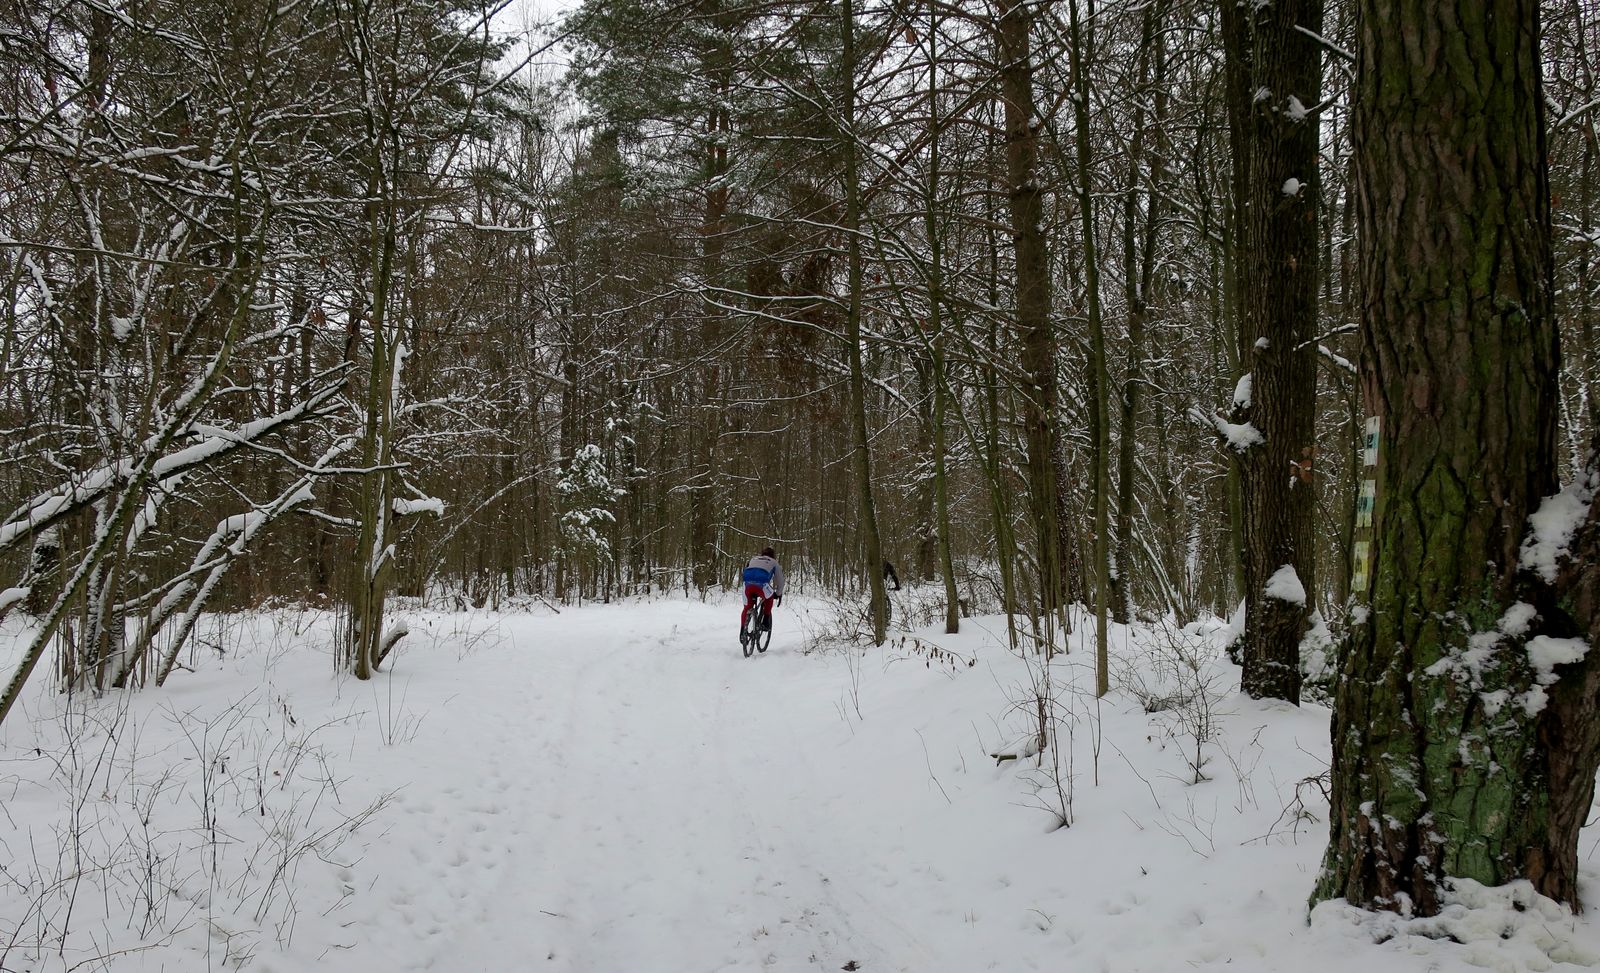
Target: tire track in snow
(649, 878)
(664, 816)
(491, 762)
(823, 876)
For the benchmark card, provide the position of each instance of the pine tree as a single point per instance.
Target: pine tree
(1464, 737)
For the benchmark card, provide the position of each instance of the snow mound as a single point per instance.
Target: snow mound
(1546, 653)
(1284, 585)
(1518, 619)
(1507, 928)
(1019, 749)
(1240, 435)
(1244, 391)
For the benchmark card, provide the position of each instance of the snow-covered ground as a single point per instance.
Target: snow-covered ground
(615, 789)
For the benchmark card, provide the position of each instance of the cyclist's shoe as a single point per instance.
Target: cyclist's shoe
(766, 623)
(743, 635)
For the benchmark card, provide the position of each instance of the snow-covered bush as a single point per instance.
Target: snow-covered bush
(1317, 649)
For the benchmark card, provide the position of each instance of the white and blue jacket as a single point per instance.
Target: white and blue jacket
(764, 571)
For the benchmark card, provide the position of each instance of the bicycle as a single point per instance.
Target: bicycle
(757, 632)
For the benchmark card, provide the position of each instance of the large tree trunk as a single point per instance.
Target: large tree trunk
(1464, 738)
(1274, 81)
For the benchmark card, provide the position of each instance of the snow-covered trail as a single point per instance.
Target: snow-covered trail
(636, 798)
(615, 789)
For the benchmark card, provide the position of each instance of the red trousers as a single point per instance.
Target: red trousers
(751, 593)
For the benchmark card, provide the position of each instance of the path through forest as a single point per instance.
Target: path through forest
(639, 796)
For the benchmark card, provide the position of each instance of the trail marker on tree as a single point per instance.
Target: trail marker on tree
(1366, 503)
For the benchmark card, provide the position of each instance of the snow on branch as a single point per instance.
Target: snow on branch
(231, 538)
(407, 506)
(12, 597)
(50, 508)
(1337, 360)
(1239, 436)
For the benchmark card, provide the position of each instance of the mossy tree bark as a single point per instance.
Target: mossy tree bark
(1274, 66)
(1454, 753)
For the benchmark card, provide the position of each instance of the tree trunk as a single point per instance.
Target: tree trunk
(926, 560)
(703, 495)
(1462, 747)
(1138, 267)
(1274, 80)
(373, 564)
(936, 329)
(1047, 477)
(1099, 378)
(871, 542)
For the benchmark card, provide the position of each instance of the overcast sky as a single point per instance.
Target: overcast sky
(521, 14)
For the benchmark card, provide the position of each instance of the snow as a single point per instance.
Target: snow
(12, 597)
(1510, 928)
(1242, 391)
(1518, 619)
(616, 788)
(405, 506)
(1468, 665)
(1240, 435)
(1552, 526)
(1338, 360)
(1292, 186)
(43, 508)
(1233, 630)
(1284, 585)
(1483, 653)
(1546, 653)
(1295, 109)
(1317, 648)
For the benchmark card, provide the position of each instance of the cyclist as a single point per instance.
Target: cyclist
(763, 579)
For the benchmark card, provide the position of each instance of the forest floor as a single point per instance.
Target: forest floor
(615, 789)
